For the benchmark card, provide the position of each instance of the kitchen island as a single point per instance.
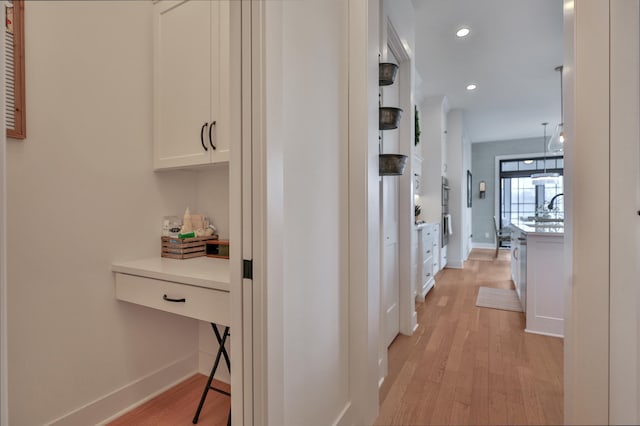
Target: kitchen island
(537, 270)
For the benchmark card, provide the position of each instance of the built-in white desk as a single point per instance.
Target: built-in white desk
(196, 288)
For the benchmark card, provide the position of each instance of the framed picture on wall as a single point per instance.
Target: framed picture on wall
(14, 77)
(469, 186)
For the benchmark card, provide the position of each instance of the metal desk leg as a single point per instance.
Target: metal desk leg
(222, 352)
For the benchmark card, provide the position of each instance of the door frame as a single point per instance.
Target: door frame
(390, 41)
(406, 218)
(388, 54)
(266, 362)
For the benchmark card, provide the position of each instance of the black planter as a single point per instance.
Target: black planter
(389, 118)
(387, 73)
(392, 164)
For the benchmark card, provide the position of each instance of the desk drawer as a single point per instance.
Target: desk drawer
(200, 303)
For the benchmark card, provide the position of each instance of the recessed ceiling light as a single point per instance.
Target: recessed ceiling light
(528, 161)
(471, 87)
(463, 32)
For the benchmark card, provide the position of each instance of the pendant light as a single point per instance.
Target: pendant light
(544, 178)
(556, 143)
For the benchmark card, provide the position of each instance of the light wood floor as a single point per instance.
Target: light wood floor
(470, 365)
(177, 406)
(464, 365)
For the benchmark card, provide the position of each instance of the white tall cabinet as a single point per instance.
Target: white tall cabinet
(191, 83)
(426, 265)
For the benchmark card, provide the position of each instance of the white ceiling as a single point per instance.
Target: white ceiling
(510, 54)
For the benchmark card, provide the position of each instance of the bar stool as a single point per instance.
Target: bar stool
(222, 352)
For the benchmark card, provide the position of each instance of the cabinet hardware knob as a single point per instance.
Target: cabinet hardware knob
(202, 137)
(168, 299)
(210, 139)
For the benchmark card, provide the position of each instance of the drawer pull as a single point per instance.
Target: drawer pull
(168, 299)
(428, 251)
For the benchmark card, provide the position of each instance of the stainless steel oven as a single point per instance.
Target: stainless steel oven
(445, 192)
(445, 213)
(445, 226)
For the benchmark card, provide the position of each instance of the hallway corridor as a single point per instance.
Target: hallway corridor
(470, 365)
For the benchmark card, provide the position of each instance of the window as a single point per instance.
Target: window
(520, 198)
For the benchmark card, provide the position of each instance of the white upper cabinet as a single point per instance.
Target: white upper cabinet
(191, 83)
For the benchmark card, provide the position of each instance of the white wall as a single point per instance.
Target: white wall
(433, 143)
(212, 196)
(364, 212)
(624, 396)
(457, 145)
(586, 71)
(81, 193)
(312, 89)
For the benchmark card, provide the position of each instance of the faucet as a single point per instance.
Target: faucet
(550, 206)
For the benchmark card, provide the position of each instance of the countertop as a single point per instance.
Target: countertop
(199, 271)
(541, 228)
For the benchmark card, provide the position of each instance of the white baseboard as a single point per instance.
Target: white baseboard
(344, 418)
(426, 288)
(491, 246)
(454, 264)
(130, 396)
(205, 363)
(543, 333)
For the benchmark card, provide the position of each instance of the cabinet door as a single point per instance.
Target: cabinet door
(182, 83)
(223, 45)
(514, 258)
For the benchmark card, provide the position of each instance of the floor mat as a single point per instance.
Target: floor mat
(498, 298)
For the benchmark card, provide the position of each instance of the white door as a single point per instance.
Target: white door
(390, 273)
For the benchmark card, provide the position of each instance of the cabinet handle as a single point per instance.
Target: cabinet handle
(210, 139)
(515, 250)
(202, 137)
(428, 251)
(168, 299)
